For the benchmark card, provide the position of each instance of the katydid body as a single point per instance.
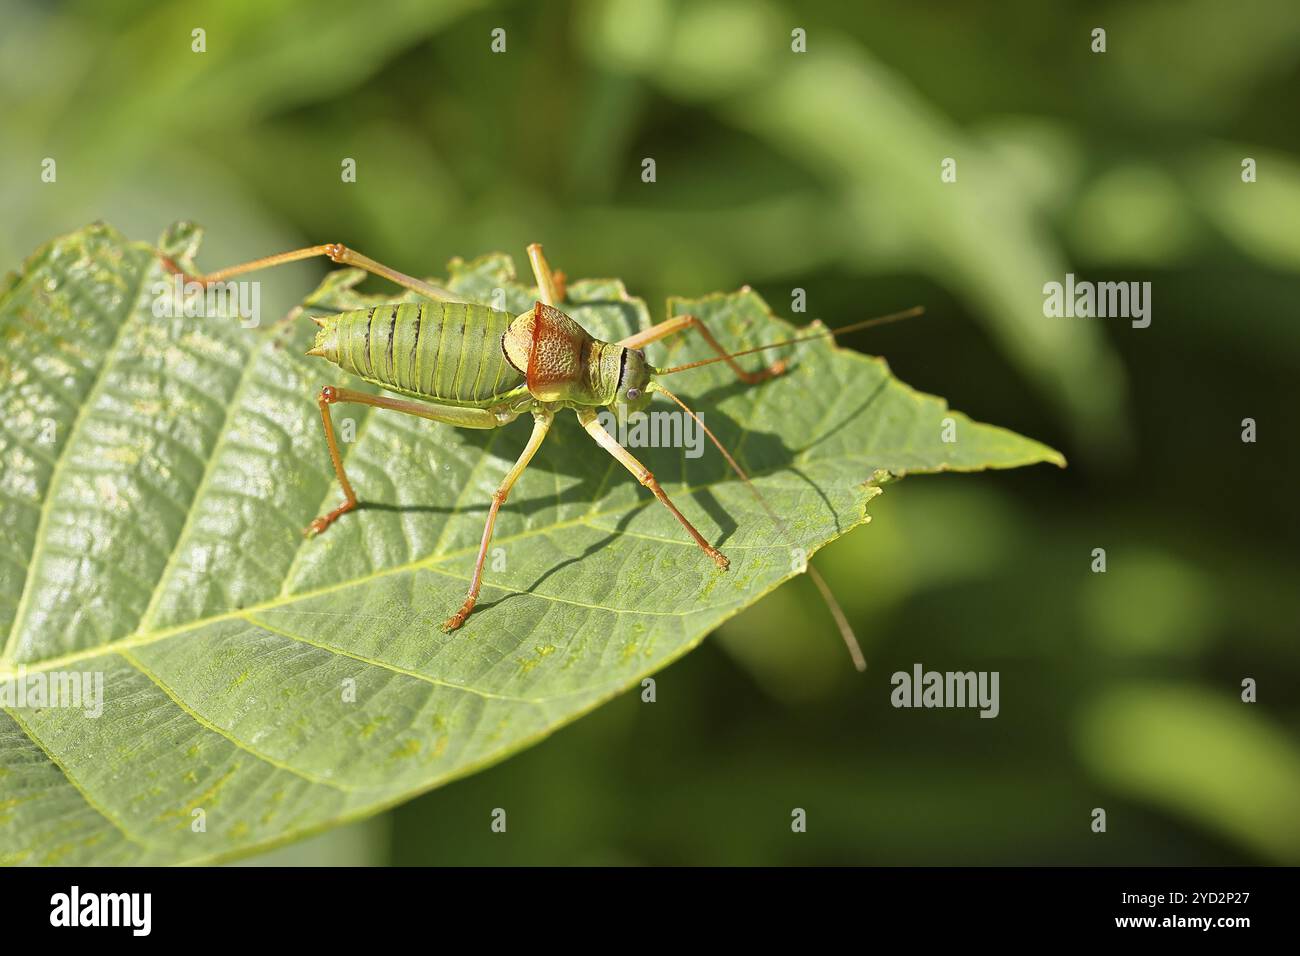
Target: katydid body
(471, 366)
(467, 365)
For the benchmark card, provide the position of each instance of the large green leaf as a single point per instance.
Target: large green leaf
(157, 476)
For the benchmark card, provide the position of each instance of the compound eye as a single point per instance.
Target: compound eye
(633, 394)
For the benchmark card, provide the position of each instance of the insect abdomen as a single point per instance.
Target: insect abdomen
(444, 351)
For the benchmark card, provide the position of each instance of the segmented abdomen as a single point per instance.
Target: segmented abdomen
(444, 351)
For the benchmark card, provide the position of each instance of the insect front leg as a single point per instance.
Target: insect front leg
(590, 421)
(542, 418)
(681, 323)
(329, 395)
(337, 252)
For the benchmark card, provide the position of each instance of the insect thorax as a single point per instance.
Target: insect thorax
(560, 360)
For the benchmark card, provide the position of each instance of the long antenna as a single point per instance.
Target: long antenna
(829, 333)
(841, 621)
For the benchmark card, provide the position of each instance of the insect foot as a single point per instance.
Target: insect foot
(325, 520)
(456, 620)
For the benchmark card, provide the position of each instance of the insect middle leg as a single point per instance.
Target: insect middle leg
(589, 420)
(550, 283)
(337, 252)
(681, 323)
(542, 418)
(329, 395)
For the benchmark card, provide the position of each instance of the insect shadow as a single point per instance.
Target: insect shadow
(586, 472)
(569, 454)
(760, 453)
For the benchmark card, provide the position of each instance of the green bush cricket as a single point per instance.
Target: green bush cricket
(472, 366)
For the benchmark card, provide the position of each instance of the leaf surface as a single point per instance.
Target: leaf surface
(158, 472)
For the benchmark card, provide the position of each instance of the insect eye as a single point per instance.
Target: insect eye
(633, 394)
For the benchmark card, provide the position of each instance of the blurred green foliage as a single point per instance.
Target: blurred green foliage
(818, 171)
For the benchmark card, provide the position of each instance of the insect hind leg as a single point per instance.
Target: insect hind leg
(328, 396)
(448, 414)
(336, 252)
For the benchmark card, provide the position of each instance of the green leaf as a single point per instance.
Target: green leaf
(158, 473)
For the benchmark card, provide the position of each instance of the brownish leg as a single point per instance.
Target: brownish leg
(550, 283)
(542, 419)
(591, 423)
(681, 323)
(337, 252)
(329, 395)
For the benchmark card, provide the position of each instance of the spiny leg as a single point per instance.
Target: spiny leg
(337, 252)
(550, 284)
(329, 395)
(681, 323)
(542, 419)
(591, 423)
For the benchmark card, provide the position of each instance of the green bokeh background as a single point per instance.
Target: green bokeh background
(817, 171)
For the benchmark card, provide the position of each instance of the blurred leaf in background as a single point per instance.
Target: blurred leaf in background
(819, 171)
